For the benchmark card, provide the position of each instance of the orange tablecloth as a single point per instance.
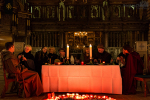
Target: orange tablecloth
(82, 78)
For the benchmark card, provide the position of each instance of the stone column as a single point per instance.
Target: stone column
(47, 39)
(106, 39)
(44, 39)
(50, 40)
(61, 39)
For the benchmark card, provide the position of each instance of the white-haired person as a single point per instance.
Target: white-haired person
(52, 54)
(27, 58)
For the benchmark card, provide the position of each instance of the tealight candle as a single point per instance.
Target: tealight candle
(82, 63)
(103, 62)
(99, 97)
(58, 63)
(68, 94)
(49, 95)
(91, 96)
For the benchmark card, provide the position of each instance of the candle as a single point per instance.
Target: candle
(103, 62)
(68, 94)
(67, 51)
(99, 97)
(90, 47)
(49, 95)
(82, 63)
(91, 96)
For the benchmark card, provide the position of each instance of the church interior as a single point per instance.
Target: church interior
(78, 23)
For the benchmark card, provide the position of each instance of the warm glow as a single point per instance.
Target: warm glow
(90, 48)
(81, 34)
(77, 97)
(67, 51)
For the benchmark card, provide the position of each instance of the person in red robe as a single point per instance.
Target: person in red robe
(32, 84)
(133, 66)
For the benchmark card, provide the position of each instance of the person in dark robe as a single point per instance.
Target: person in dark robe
(86, 55)
(52, 55)
(102, 55)
(132, 59)
(62, 55)
(40, 59)
(29, 58)
(32, 83)
(78, 59)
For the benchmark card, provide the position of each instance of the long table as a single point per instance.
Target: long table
(82, 78)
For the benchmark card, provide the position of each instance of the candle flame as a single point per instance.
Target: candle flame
(90, 45)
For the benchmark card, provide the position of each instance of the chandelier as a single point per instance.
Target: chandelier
(80, 34)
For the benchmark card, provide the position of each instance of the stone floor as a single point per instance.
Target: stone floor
(138, 96)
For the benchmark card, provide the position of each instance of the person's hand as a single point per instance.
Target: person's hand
(19, 57)
(121, 58)
(24, 59)
(95, 60)
(118, 58)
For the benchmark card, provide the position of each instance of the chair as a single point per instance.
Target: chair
(145, 79)
(8, 80)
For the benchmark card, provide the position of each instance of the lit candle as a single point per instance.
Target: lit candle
(90, 51)
(82, 63)
(99, 97)
(103, 62)
(49, 95)
(67, 51)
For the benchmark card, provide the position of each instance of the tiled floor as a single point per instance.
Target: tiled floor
(138, 96)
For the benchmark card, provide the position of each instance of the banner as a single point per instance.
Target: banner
(8, 6)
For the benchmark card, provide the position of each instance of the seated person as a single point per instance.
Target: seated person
(62, 55)
(32, 83)
(133, 66)
(86, 55)
(28, 58)
(40, 59)
(52, 55)
(102, 55)
(78, 59)
(120, 60)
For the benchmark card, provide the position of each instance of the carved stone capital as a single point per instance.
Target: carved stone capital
(24, 14)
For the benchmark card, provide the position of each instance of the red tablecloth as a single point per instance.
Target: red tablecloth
(82, 78)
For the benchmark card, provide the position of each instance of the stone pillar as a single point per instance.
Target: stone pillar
(106, 39)
(50, 36)
(61, 39)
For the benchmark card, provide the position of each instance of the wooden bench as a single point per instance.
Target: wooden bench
(145, 79)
